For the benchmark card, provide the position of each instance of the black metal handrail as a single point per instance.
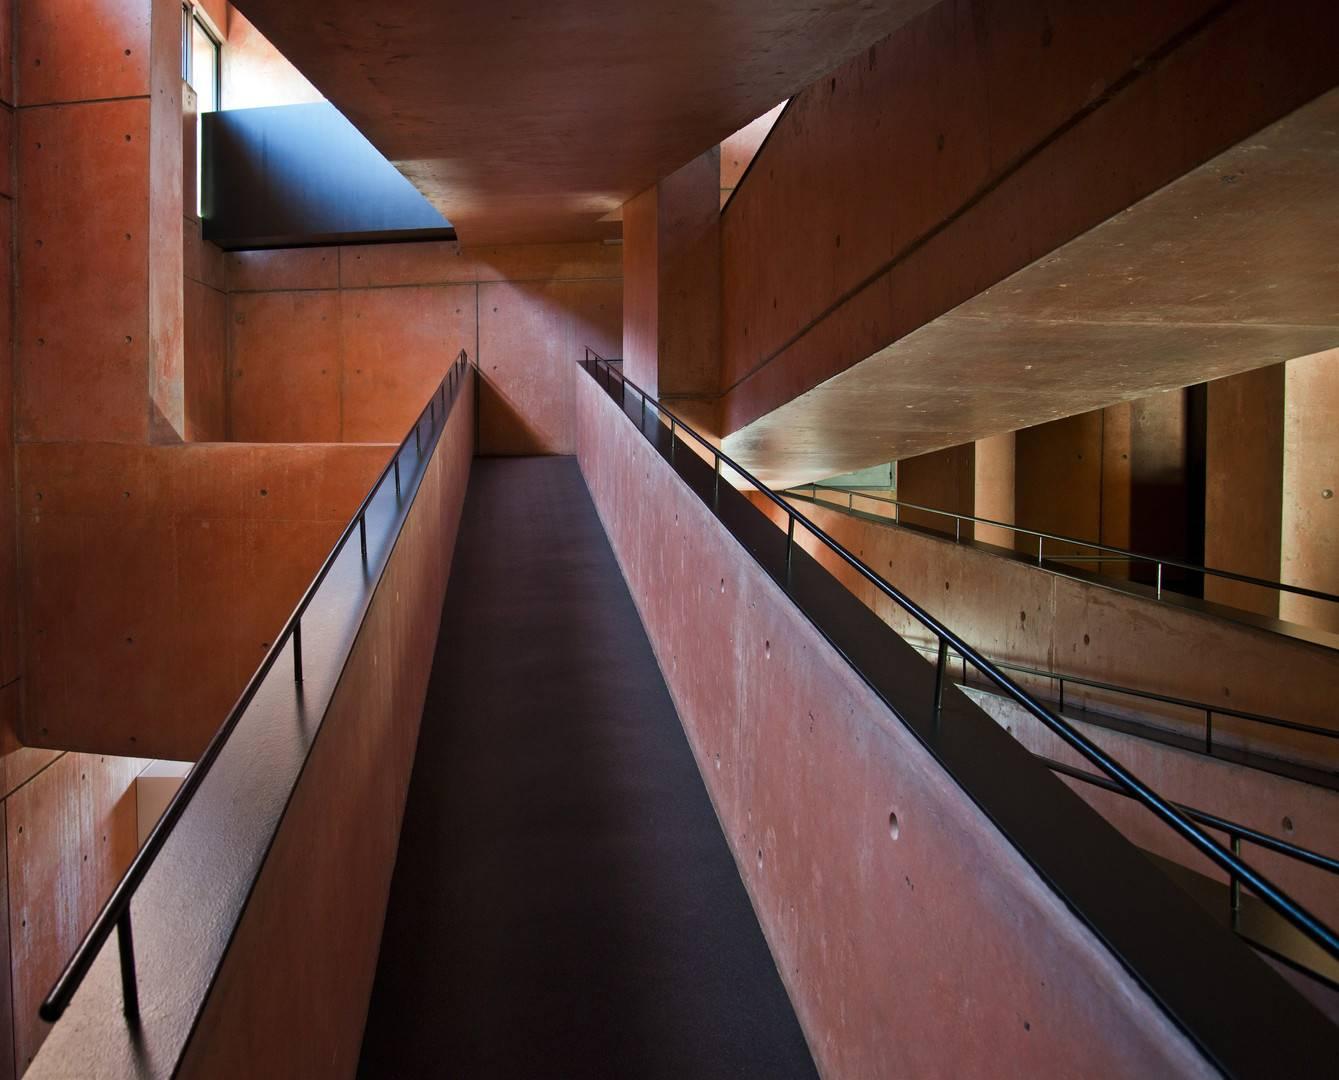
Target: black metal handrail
(1117, 554)
(1237, 870)
(1209, 710)
(116, 911)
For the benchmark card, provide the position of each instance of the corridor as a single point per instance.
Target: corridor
(564, 903)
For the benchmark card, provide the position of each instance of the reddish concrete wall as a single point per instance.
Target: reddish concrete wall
(641, 290)
(804, 765)
(968, 144)
(671, 328)
(345, 344)
(1243, 505)
(99, 310)
(739, 150)
(70, 832)
(342, 825)
(1014, 612)
(943, 480)
(155, 577)
(255, 73)
(1300, 813)
(1310, 554)
(205, 314)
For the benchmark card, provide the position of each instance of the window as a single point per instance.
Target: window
(202, 69)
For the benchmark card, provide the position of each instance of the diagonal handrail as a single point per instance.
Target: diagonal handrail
(1116, 553)
(1238, 870)
(116, 911)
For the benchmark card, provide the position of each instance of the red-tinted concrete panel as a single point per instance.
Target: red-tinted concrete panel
(286, 268)
(7, 54)
(157, 577)
(530, 339)
(206, 363)
(641, 289)
(18, 763)
(1310, 554)
(1300, 813)
(70, 834)
(83, 298)
(167, 341)
(443, 262)
(255, 73)
(204, 261)
(302, 916)
(7, 1066)
(554, 153)
(398, 344)
(7, 123)
(43, 838)
(988, 154)
(85, 51)
(284, 382)
(1014, 612)
(9, 661)
(914, 940)
(290, 807)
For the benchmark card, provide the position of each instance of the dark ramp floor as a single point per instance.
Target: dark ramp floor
(564, 903)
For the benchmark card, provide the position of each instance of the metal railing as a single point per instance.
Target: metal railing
(617, 385)
(1109, 553)
(115, 912)
(1233, 830)
(1209, 711)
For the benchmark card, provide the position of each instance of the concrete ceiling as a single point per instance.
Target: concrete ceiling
(1230, 268)
(530, 120)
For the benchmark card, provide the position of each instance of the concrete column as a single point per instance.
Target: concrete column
(99, 148)
(942, 480)
(1243, 502)
(671, 275)
(1310, 544)
(994, 487)
(1058, 482)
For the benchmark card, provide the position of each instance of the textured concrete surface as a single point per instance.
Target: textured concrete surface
(870, 869)
(891, 194)
(564, 903)
(345, 344)
(1014, 612)
(553, 154)
(157, 576)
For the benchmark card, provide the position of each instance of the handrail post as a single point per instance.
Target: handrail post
(941, 667)
(125, 944)
(297, 649)
(1061, 682)
(1235, 893)
(850, 500)
(418, 443)
(957, 530)
(362, 532)
(1208, 731)
(1159, 581)
(1040, 541)
(673, 438)
(641, 423)
(715, 484)
(790, 545)
(397, 475)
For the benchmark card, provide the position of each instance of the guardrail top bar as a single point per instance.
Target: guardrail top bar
(1237, 870)
(1121, 554)
(116, 911)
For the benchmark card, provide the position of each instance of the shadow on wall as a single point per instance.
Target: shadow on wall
(503, 431)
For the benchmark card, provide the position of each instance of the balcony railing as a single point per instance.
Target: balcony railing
(409, 458)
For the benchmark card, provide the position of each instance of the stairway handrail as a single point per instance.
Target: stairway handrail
(116, 911)
(1238, 870)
